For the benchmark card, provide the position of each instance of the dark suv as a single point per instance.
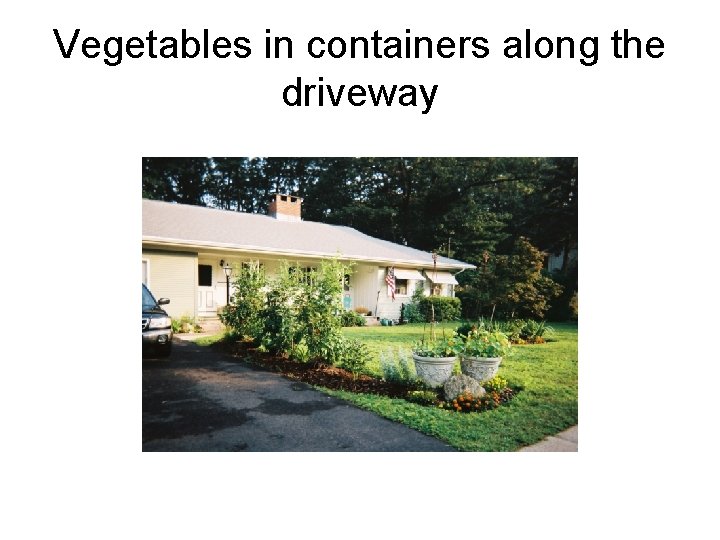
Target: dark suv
(156, 325)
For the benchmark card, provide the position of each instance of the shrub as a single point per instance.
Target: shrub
(446, 308)
(534, 331)
(185, 325)
(361, 310)
(516, 330)
(245, 314)
(350, 354)
(351, 318)
(388, 367)
(423, 397)
(411, 313)
(397, 367)
(512, 328)
(565, 307)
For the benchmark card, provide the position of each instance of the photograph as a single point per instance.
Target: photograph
(360, 304)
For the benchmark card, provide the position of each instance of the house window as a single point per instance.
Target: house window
(401, 287)
(204, 275)
(437, 289)
(346, 283)
(306, 272)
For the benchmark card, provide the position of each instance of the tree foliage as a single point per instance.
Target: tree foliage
(509, 286)
(245, 312)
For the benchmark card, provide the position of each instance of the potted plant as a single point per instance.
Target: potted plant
(434, 360)
(482, 353)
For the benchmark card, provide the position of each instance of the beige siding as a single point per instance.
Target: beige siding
(271, 266)
(174, 276)
(390, 309)
(387, 308)
(364, 284)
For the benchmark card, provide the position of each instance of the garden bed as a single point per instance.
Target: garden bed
(335, 378)
(317, 373)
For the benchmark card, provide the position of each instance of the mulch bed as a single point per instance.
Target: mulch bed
(326, 375)
(316, 373)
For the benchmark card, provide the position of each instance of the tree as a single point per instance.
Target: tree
(183, 180)
(509, 286)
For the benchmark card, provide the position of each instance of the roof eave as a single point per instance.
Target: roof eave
(196, 244)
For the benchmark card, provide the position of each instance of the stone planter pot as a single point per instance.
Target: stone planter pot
(434, 371)
(480, 368)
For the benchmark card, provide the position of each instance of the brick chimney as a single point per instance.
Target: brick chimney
(285, 208)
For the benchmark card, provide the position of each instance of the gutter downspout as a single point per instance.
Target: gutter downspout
(460, 272)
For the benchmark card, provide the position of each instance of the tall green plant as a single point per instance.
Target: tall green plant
(302, 316)
(319, 308)
(245, 312)
(283, 329)
(397, 366)
(412, 312)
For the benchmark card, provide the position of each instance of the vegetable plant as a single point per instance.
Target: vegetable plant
(439, 348)
(484, 344)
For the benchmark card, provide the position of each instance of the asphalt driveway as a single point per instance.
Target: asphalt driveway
(202, 400)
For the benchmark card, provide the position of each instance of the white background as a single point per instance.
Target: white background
(74, 132)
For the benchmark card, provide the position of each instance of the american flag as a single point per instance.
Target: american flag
(390, 280)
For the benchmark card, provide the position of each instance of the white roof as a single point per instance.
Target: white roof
(441, 277)
(197, 227)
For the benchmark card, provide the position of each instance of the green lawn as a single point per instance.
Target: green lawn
(546, 403)
(379, 338)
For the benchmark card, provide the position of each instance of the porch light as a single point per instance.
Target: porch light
(228, 272)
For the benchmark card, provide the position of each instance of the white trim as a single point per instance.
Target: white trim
(280, 252)
(147, 272)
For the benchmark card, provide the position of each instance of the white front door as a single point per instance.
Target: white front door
(207, 303)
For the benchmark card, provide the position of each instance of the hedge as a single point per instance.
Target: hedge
(446, 308)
